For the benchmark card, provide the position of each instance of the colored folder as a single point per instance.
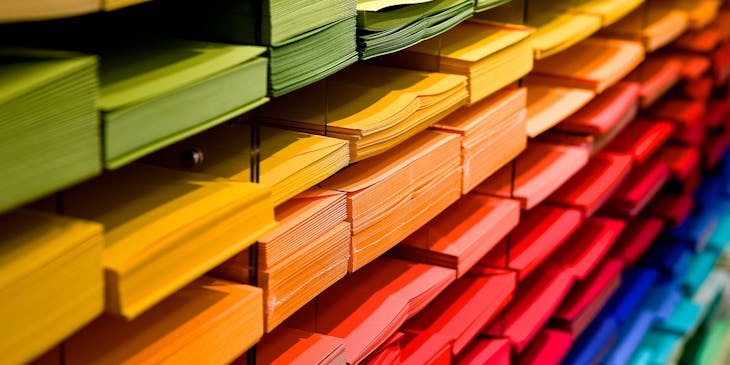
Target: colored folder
(51, 279)
(638, 236)
(367, 307)
(594, 64)
(549, 105)
(425, 348)
(288, 162)
(535, 302)
(549, 347)
(540, 170)
(491, 55)
(540, 232)
(292, 346)
(463, 233)
(589, 244)
(392, 195)
(374, 112)
(165, 228)
(50, 132)
(492, 131)
(656, 76)
(654, 25)
(556, 30)
(24, 10)
(184, 328)
(588, 189)
(642, 139)
(672, 208)
(588, 297)
(466, 306)
(485, 350)
(303, 256)
(386, 26)
(639, 188)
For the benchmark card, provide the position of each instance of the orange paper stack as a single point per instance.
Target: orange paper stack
(538, 172)
(549, 105)
(653, 25)
(292, 346)
(366, 308)
(392, 195)
(187, 327)
(304, 255)
(463, 233)
(594, 64)
(492, 134)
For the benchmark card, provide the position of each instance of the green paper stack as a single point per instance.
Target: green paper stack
(158, 91)
(307, 39)
(482, 5)
(387, 26)
(49, 125)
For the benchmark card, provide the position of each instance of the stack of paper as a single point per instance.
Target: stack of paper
(184, 328)
(185, 86)
(701, 12)
(540, 232)
(638, 189)
(586, 299)
(466, 306)
(682, 160)
(463, 233)
(367, 307)
(675, 209)
(594, 183)
(387, 353)
(485, 350)
(594, 64)
(641, 139)
(535, 302)
(52, 281)
(386, 26)
(549, 105)
(492, 55)
(25, 10)
(424, 348)
(606, 116)
(688, 116)
(375, 108)
(693, 65)
(610, 10)
(538, 172)
(307, 253)
(588, 245)
(493, 133)
(50, 129)
(656, 76)
(699, 89)
(392, 195)
(636, 239)
(557, 30)
(291, 346)
(288, 162)
(654, 25)
(165, 228)
(549, 347)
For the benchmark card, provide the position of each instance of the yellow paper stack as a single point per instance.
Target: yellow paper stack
(492, 55)
(51, 281)
(654, 25)
(289, 162)
(391, 195)
(610, 11)
(594, 64)
(302, 257)
(209, 321)
(492, 134)
(26, 10)
(165, 228)
(557, 30)
(373, 107)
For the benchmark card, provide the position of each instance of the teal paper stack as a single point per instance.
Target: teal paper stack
(49, 124)
(158, 91)
(387, 26)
